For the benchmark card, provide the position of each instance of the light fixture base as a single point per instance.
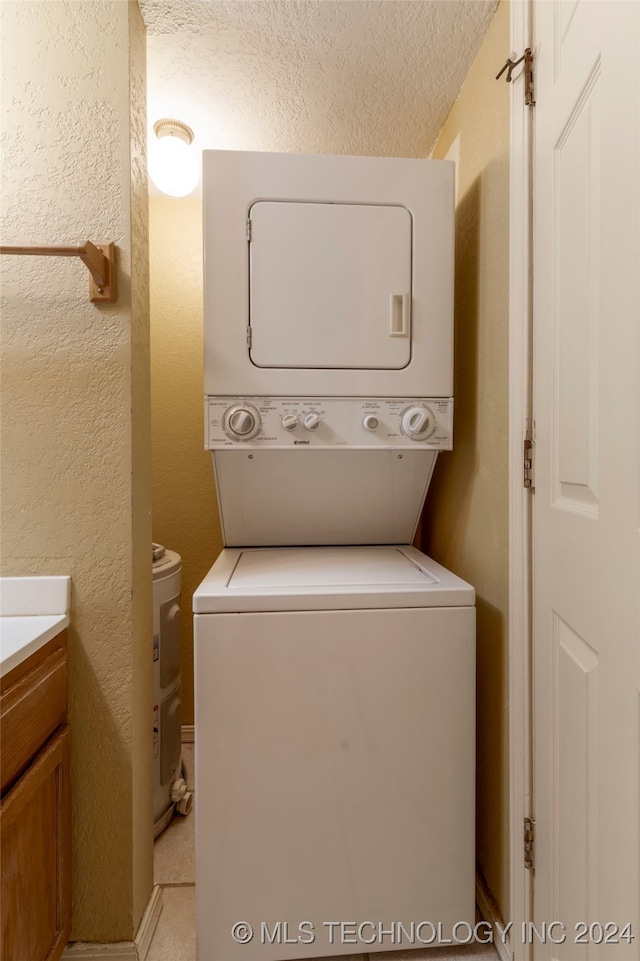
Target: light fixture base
(173, 128)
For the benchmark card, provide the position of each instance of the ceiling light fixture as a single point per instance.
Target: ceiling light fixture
(173, 165)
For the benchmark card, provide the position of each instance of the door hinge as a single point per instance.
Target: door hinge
(249, 230)
(528, 463)
(248, 336)
(510, 65)
(529, 841)
(529, 88)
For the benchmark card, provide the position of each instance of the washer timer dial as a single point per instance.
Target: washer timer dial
(241, 422)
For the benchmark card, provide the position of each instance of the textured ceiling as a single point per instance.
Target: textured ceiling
(314, 76)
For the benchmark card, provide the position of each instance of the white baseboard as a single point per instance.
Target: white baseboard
(121, 950)
(489, 911)
(188, 733)
(92, 951)
(149, 923)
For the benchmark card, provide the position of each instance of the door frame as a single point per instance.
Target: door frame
(520, 498)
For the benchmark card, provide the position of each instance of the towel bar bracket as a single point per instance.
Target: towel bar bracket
(102, 285)
(100, 260)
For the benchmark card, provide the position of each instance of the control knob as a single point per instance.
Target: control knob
(312, 421)
(290, 421)
(370, 422)
(418, 423)
(241, 422)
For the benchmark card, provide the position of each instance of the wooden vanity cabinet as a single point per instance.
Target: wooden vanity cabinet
(35, 811)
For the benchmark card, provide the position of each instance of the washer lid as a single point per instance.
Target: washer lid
(327, 578)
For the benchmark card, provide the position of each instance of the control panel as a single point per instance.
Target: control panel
(328, 422)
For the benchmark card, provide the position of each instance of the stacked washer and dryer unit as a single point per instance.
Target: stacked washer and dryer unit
(334, 663)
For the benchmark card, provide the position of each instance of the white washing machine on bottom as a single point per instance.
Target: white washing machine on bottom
(335, 750)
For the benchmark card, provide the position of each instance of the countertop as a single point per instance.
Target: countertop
(32, 611)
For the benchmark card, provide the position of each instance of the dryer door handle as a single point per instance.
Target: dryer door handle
(399, 315)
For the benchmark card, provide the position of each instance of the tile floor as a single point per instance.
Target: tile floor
(174, 869)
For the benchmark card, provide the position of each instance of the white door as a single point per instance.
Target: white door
(587, 484)
(330, 285)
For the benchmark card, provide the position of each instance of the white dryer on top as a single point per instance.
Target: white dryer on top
(328, 297)
(329, 276)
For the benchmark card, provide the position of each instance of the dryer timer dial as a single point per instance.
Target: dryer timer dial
(241, 422)
(418, 423)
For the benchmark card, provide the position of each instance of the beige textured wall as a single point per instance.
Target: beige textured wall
(75, 413)
(185, 513)
(465, 525)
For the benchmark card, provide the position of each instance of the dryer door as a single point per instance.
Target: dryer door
(330, 285)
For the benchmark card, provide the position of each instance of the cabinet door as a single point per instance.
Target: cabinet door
(330, 285)
(35, 837)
